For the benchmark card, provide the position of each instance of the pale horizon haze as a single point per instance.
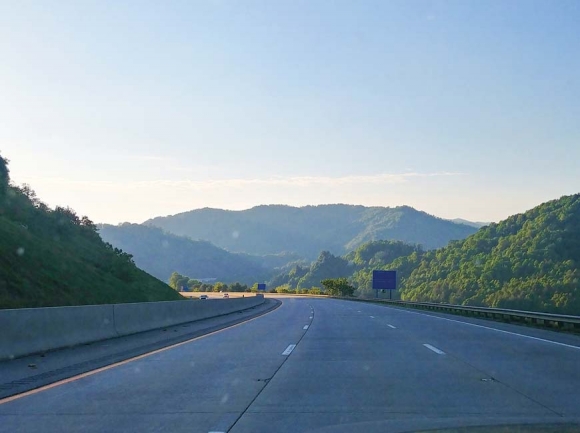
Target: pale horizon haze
(129, 110)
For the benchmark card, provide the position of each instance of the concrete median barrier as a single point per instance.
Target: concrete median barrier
(34, 330)
(133, 318)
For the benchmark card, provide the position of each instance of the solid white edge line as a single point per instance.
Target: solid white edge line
(305, 327)
(494, 329)
(434, 349)
(391, 326)
(289, 349)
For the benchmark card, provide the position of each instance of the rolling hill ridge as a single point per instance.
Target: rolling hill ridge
(162, 253)
(308, 230)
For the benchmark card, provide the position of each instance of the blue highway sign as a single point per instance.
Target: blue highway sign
(385, 280)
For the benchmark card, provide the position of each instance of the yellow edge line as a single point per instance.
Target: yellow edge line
(117, 364)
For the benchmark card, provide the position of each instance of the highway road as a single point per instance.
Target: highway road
(324, 365)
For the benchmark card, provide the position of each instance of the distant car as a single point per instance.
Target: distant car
(226, 295)
(203, 297)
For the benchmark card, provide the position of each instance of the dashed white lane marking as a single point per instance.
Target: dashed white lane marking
(372, 317)
(289, 349)
(391, 326)
(496, 330)
(434, 349)
(305, 327)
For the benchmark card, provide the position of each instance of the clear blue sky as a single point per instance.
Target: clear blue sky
(129, 110)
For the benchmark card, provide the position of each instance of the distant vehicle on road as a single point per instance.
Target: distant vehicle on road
(203, 297)
(226, 295)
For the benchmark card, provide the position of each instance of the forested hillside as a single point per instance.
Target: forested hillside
(308, 230)
(161, 254)
(529, 261)
(357, 265)
(51, 257)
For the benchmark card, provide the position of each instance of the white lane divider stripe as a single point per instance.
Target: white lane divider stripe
(310, 317)
(372, 317)
(434, 349)
(305, 327)
(543, 340)
(289, 349)
(391, 326)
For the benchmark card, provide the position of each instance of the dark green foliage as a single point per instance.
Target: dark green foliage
(357, 265)
(4, 178)
(337, 287)
(291, 278)
(404, 265)
(161, 253)
(379, 253)
(529, 261)
(181, 282)
(238, 287)
(53, 258)
(311, 229)
(326, 266)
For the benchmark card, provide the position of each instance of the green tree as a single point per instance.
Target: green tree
(326, 266)
(284, 289)
(315, 291)
(206, 287)
(194, 285)
(338, 287)
(238, 287)
(220, 287)
(178, 281)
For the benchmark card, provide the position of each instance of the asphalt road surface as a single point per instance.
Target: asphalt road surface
(324, 365)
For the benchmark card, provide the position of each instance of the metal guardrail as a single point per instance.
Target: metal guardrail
(548, 320)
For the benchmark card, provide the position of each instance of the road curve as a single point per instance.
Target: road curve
(324, 365)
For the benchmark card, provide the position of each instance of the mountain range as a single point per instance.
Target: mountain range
(161, 253)
(308, 230)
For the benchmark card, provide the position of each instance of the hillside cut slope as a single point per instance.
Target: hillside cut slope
(54, 258)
